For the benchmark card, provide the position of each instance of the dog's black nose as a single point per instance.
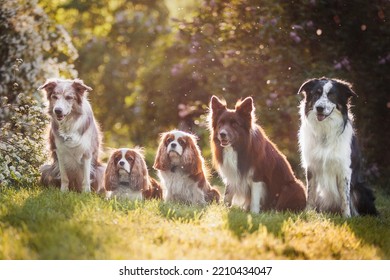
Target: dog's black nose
(320, 109)
(121, 163)
(173, 145)
(222, 135)
(58, 111)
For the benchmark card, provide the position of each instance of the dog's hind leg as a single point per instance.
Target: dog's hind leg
(98, 179)
(292, 197)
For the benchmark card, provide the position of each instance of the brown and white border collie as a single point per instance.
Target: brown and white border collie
(127, 176)
(74, 138)
(257, 176)
(329, 150)
(182, 171)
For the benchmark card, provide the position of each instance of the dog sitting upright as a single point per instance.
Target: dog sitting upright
(257, 175)
(329, 150)
(74, 138)
(182, 171)
(127, 176)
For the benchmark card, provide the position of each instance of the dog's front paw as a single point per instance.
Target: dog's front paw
(227, 202)
(347, 213)
(64, 187)
(86, 188)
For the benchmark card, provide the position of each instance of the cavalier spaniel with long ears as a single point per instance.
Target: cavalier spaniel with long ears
(127, 176)
(182, 171)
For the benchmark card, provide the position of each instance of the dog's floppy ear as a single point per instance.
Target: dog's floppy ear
(245, 107)
(307, 86)
(49, 86)
(161, 161)
(139, 174)
(192, 158)
(110, 177)
(80, 87)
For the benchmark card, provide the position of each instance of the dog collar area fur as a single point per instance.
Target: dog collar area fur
(66, 138)
(176, 168)
(128, 185)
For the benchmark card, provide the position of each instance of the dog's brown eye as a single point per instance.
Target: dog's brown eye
(55, 97)
(130, 159)
(169, 140)
(69, 98)
(181, 142)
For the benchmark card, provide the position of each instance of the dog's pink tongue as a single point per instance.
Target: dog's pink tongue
(320, 117)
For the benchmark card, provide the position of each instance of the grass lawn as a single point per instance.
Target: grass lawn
(42, 223)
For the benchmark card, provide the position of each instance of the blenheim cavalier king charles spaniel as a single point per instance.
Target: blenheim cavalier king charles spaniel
(127, 176)
(181, 170)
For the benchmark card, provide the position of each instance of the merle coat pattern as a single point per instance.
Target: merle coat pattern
(329, 150)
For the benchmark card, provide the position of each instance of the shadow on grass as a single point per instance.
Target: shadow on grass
(49, 224)
(241, 222)
(180, 212)
(370, 229)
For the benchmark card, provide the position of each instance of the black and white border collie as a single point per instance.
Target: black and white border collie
(329, 150)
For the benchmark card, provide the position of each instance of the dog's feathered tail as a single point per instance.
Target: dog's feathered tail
(362, 196)
(363, 199)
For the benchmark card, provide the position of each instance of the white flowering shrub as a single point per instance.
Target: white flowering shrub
(32, 49)
(22, 148)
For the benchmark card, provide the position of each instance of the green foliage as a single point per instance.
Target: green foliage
(267, 49)
(47, 224)
(32, 49)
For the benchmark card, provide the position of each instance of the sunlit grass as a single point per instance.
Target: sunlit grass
(47, 224)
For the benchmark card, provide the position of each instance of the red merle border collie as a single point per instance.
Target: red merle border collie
(256, 174)
(329, 150)
(74, 138)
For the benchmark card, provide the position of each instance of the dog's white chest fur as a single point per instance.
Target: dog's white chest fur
(71, 144)
(326, 153)
(238, 184)
(179, 187)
